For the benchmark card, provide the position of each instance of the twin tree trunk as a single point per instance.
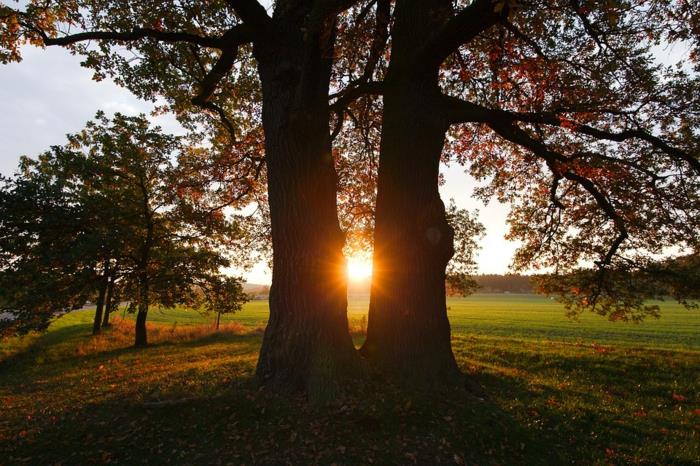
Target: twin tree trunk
(408, 333)
(307, 346)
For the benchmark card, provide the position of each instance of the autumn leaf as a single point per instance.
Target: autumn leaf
(678, 397)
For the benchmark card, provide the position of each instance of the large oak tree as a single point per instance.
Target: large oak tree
(239, 65)
(566, 110)
(561, 106)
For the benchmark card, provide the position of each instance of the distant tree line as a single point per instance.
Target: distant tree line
(497, 283)
(677, 278)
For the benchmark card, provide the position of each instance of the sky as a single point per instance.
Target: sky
(49, 95)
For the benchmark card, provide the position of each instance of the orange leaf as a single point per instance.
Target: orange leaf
(678, 397)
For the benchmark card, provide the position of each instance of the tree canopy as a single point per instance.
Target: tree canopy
(582, 114)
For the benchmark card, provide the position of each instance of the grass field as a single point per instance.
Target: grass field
(520, 316)
(557, 392)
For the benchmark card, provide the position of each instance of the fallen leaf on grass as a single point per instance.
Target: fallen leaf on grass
(678, 397)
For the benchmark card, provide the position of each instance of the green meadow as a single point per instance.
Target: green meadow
(552, 391)
(508, 315)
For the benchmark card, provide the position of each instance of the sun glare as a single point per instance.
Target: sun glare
(359, 268)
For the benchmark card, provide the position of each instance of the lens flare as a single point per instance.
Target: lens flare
(359, 268)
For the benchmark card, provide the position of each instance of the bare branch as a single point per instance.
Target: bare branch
(352, 94)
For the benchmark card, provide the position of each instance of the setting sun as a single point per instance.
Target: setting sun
(359, 268)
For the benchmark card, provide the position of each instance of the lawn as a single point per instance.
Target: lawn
(556, 391)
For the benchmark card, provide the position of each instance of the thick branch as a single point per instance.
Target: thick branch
(643, 135)
(381, 35)
(215, 75)
(460, 111)
(133, 35)
(461, 29)
(347, 97)
(516, 135)
(251, 12)
(212, 79)
(350, 95)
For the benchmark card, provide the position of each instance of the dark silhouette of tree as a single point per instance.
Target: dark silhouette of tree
(118, 210)
(40, 235)
(560, 107)
(564, 110)
(228, 66)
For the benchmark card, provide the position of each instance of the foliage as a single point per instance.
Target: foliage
(168, 52)
(53, 237)
(177, 231)
(132, 210)
(581, 121)
(621, 293)
(570, 110)
(462, 266)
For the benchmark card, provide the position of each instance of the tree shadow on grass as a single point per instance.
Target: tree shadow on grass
(214, 412)
(245, 425)
(53, 341)
(607, 409)
(231, 420)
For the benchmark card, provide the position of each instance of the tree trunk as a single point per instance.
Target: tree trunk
(141, 336)
(99, 306)
(218, 320)
(108, 303)
(408, 331)
(307, 346)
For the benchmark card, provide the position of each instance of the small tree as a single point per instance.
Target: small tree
(219, 295)
(111, 205)
(462, 266)
(174, 236)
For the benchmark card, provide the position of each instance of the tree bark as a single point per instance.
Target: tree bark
(408, 332)
(307, 346)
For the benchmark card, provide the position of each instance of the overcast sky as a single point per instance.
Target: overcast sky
(49, 94)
